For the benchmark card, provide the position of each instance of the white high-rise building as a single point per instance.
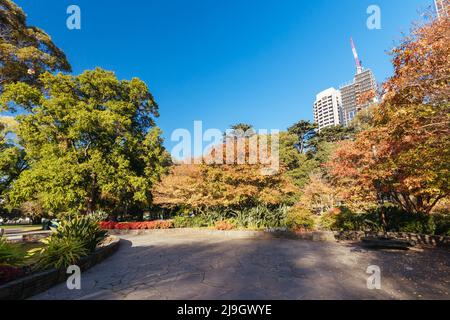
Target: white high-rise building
(442, 8)
(338, 107)
(327, 108)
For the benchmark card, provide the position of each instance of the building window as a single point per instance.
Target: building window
(351, 115)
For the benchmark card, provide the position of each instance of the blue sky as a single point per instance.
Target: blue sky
(227, 61)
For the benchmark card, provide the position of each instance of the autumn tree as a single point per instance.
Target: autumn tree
(405, 156)
(225, 185)
(319, 196)
(364, 120)
(221, 186)
(90, 141)
(25, 51)
(183, 186)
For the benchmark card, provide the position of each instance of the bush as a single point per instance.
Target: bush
(261, 216)
(199, 221)
(328, 220)
(61, 252)
(82, 228)
(257, 217)
(11, 254)
(98, 216)
(9, 273)
(397, 220)
(225, 225)
(347, 220)
(147, 225)
(300, 219)
(442, 224)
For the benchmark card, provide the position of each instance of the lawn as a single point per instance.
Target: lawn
(27, 247)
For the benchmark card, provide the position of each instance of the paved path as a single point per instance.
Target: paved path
(217, 267)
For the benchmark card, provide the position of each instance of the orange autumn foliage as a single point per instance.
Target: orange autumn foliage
(205, 185)
(405, 156)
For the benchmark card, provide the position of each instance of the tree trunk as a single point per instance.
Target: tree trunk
(93, 197)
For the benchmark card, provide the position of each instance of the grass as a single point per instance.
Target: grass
(27, 247)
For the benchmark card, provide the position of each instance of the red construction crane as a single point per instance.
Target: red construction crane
(359, 67)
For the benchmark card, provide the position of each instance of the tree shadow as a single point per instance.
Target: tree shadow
(196, 267)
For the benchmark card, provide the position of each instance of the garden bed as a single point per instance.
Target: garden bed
(39, 282)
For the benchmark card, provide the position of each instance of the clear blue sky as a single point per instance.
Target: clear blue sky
(227, 61)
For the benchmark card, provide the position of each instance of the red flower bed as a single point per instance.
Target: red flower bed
(148, 225)
(9, 273)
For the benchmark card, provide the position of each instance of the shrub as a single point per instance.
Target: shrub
(82, 228)
(256, 217)
(11, 254)
(199, 221)
(328, 220)
(442, 223)
(9, 273)
(98, 215)
(262, 216)
(225, 225)
(160, 224)
(300, 219)
(397, 220)
(415, 224)
(347, 220)
(61, 252)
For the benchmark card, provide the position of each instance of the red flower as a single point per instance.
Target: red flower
(148, 225)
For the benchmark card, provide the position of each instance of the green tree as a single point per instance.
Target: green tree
(12, 157)
(305, 131)
(241, 130)
(299, 166)
(304, 151)
(25, 51)
(334, 134)
(91, 142)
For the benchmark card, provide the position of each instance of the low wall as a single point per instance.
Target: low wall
(437, 241)
(34, 236)
(244, 234)
(39, 282)
(235, 234)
